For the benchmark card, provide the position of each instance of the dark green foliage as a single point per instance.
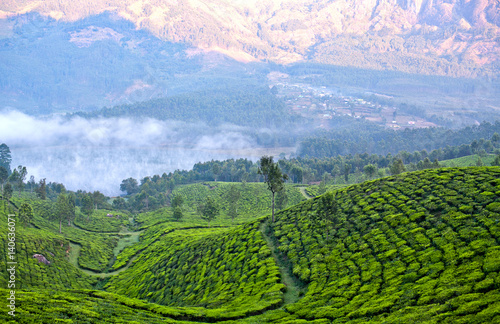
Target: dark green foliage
(209, 210)
(397, 167)
(7, 191)
(41, 191)
(5, 157)
(87, 205)
(26, 214)
(246, 105)
(4, 175)
(177, 201)
(177, 213)
(130, 186)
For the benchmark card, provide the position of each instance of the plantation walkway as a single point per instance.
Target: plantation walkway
(127, 239)
(304, 193)
(74, 254)
(292, 294)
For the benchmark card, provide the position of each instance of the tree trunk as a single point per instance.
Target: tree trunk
(273, 207)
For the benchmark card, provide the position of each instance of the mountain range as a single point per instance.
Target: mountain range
(445, 37)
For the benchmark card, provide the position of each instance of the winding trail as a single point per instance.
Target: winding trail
(293, 291)
(127, 238)
(304, 192)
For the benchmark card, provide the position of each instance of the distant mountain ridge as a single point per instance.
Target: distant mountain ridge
(447, 37)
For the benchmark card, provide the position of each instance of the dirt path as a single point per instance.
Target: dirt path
(292, 294)
(127, 239)
(304, 193)
(73, 259)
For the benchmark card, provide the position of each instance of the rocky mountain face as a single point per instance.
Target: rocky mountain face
(447, 37)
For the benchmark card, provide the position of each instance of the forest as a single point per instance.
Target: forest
(244, 105)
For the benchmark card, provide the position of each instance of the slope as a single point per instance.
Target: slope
(417, 247)
(421, 246)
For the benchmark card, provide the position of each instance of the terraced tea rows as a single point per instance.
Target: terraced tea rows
(231, 271)
(417, 247)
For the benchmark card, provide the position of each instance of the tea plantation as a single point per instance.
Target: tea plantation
(420, 247)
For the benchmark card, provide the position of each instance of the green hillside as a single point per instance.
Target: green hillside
(418, 247)
(470, 160)
(254, 201)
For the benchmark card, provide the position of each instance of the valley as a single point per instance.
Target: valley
(388, 238)
(230, 161)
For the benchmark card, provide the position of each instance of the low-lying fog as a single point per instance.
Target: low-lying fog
(98, 154)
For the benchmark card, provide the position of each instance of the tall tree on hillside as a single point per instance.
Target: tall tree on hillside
(32, 183)
(273, 176)
(64, 209)
(22, 172)
(5, 157)
(7, 191)
(130, 186)
(370, 170)
(26, 214)
(4, 175)
(177, 201)
(346, 170)
(397, 167)
(88, 205)
(41, 191)
(209, 210)
(176, 204)
(72, 206)
(178, 213)
(216, 170)
(99, 199)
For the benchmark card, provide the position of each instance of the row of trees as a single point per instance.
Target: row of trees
(365, 137)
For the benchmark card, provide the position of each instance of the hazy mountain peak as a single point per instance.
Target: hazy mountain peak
(287, 31)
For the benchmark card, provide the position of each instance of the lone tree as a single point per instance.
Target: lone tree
(64, 209)
(130, 186)
(41, 191)
(178, 213)
(176, 203)
(4, 175)
(88, 205)
(209, 210)
(26, 214)
(370, 170)
(326, 215)
(5, 157)
(7, 191)
(22, 172)
(273, 176)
